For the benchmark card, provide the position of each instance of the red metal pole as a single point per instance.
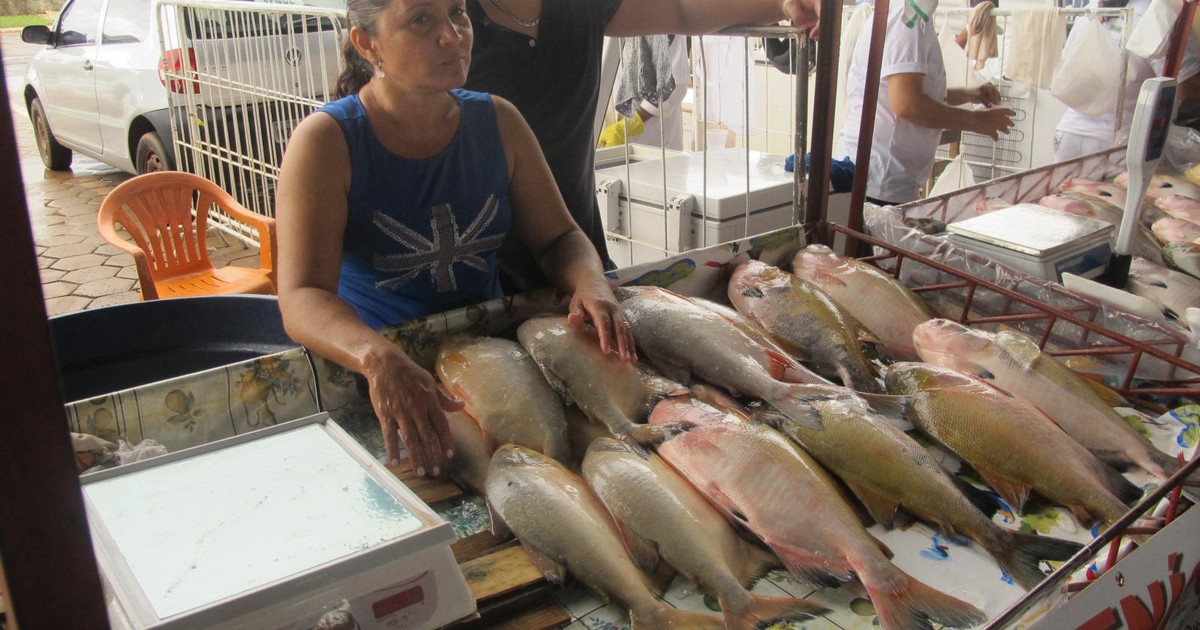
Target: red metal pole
(862, 161)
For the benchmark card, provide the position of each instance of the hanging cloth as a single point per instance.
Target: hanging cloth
(646, 73)
(981, 34)
(1038, 37)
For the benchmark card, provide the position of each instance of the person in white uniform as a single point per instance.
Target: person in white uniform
(913, 108)
(1078, 134)
(656, 125)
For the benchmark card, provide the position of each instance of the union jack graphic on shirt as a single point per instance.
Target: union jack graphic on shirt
(438, 256)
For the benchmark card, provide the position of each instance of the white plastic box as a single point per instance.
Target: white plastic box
(287, 527)
(657, 207)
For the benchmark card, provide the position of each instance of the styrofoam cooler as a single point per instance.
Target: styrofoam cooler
(655, 208)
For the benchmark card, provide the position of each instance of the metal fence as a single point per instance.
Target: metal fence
(241, 76)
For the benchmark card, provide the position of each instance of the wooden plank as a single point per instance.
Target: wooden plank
(534, 609)
(477, 545)
(500, 573)
(430, 491)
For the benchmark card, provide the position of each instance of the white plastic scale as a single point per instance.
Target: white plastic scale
(1065, 248)
(290, 527)
(1147, 140)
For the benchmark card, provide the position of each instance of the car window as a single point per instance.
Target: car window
(126, 22)
(79, 22)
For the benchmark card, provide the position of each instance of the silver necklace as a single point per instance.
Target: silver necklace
(513, 16)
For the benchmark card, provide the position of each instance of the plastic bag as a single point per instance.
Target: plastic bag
(956, 176)
(1152, 34)
(958, 67)
(1087, 80)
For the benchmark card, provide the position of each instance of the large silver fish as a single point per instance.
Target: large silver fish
(1013, 445)
(566, 529)
(504, 392)
(472, 455)
(607, 389)
(687, 342)
(1173, 292)
(653, 503)
(887, 469)
(880, 302)
(1013, 362)
(798, 315)
(767, 484)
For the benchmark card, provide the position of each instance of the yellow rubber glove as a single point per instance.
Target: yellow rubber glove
(615, 134)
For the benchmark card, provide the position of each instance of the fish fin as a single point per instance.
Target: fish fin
(717, 397)
(1126, 491)
(756, 563)
(662, 615)
(986, 375)
(1014, 492)
(1021, 554)
(758, 611)
(1019, 347)
(499, 528)
(913, 605)
(1083, 516)
(1117, 460)
(888, 405)
(558, 385)
(675, 371)
(647, 435)
(808, 568)
(794, 404)
(643, 550)
(553, 570)
(1168, 464)
(881, 507)
(980, 499)
(753, 292)
(781, 364)
(1106, 393)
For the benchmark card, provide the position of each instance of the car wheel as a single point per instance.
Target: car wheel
(152, 154)
(55, 156)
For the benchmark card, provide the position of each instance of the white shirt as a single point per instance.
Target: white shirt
(1138, 70)
(901, 153)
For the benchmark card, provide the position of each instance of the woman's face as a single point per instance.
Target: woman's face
(424, 43)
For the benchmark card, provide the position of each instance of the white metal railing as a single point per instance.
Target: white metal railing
(241, 76)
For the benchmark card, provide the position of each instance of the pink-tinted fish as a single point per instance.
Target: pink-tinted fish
(1170, 230)
(763, 481)
(1162, 185)
(1180, 207)
(1092, 188)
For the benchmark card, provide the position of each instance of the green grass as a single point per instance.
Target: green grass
(12, 21)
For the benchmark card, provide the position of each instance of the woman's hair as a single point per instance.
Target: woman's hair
(361, 14)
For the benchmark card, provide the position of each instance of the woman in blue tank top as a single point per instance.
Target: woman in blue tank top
(393, 201)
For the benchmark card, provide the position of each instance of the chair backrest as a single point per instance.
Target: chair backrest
(156, 209)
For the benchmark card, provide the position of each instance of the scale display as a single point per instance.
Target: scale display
(1160, 123)
(209, 527)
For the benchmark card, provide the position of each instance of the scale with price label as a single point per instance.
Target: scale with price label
(292, 527)
(1078, 251)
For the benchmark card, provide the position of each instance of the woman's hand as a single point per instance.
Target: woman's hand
(412, 409)
(804, 14)
(594, 302)
(987, 95)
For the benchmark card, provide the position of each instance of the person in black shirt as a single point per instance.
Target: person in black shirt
(544, 57)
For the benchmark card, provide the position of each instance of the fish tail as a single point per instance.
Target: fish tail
(913, 604)
(794, 403)
(1021, 554)
(662, 616)
(1124, 490)
(647, 435)
(889, 405)
(1166, 464)
(761, 612)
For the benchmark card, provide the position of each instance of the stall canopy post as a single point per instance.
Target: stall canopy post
(825, 91)
(862, 161)
(1179, 37)
(49, 569)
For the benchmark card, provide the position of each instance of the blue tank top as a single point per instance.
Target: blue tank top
(422, 235)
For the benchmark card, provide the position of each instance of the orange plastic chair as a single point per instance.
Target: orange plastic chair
(169, 245)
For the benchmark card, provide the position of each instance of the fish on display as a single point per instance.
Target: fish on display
(653, 504)
(1170, 230)
(1183, 257)
(1143, 242)
(991, 204)
(871, 296)
(1162, 185)
(926, 225)
(1171, 291)
(1180, 207)
(887, 469)
(504, 392)
(566, 529)
(764, 482)
(799, 315)
(1012, 444)
(1013, 362)
(469, 465)
(1109, 193)
(607, 389)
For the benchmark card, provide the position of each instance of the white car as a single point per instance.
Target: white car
(97, 87)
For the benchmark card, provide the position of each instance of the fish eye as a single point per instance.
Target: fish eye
(1105, 193)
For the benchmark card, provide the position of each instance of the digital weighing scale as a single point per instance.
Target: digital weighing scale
(293, 527)
(1038, 241)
